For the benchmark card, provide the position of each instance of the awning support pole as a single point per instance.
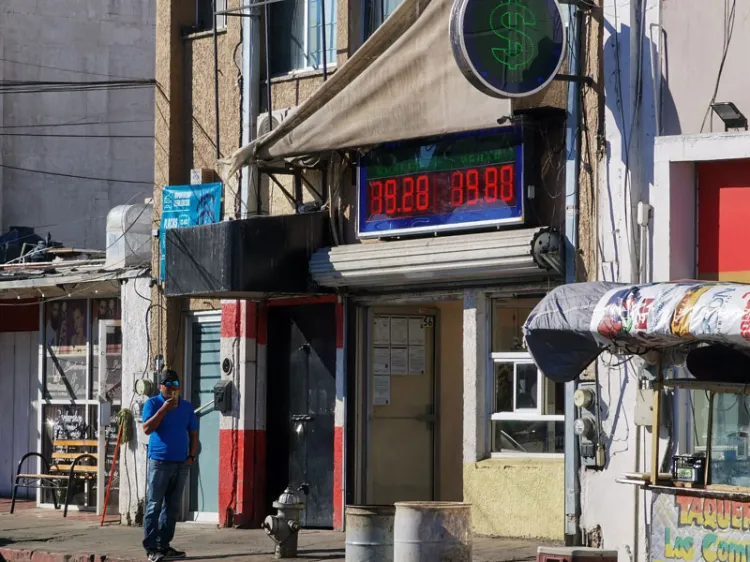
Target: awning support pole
(267, 27)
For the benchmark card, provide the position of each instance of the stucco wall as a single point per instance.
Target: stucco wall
(695, 32)
(450, 365)
(73, 41)
(134, 362)
(516, 497)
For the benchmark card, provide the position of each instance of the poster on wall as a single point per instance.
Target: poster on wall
(65, 326)
(187, 205)
(692, 528)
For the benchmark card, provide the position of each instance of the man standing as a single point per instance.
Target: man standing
(173, 444)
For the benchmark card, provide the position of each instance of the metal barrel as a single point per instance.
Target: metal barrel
(432, 531)
(369, 533)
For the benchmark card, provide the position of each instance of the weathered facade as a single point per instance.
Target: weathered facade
(321, 317)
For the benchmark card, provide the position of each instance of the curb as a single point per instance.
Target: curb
(26, 555)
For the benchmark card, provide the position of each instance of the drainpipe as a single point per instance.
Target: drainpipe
(250, 108)
(572, 143)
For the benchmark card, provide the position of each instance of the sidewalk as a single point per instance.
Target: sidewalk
(42, 535)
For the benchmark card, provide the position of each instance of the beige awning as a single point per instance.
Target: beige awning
(402, 83)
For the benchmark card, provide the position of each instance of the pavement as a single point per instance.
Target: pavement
(42, 535)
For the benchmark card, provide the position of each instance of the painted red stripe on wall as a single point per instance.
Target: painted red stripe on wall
(19, 316)
(338, 478)
(242, 477)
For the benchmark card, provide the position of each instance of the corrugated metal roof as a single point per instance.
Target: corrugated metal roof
(491, 256)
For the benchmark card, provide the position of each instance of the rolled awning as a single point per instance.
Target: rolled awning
(574, 323)
(402, 83)
(494, 256)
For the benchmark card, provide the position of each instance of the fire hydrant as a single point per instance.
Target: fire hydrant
(283, 528)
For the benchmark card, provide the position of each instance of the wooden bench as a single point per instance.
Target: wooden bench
(59, 473)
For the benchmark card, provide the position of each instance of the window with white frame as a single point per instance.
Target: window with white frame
(204, 15)
(527, 414)
(296, 35)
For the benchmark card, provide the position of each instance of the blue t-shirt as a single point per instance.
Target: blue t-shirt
(170, 441)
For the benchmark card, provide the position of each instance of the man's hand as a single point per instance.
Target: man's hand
(189, 461)
(171, 404)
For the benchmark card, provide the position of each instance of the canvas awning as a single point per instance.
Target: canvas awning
(574, 323)
(402, 83)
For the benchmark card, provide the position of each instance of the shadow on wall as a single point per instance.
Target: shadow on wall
(633, 103)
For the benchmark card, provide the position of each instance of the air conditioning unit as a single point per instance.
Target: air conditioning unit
(264, 126)
(202, 175)
(575, 554)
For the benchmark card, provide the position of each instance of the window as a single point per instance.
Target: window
(204, 15)
(296, 35)
(527, 416)
(376, 12)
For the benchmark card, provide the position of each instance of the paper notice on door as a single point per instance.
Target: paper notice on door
(399, 330)
(381, 330)
(416, 360)
(381, 391)
(416, 331)
(399, 361)
(381, 361)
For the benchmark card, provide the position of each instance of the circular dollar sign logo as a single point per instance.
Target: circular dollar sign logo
(508, 48)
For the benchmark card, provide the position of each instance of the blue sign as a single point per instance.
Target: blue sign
(460, 181)
(186, 205)
(508, 48)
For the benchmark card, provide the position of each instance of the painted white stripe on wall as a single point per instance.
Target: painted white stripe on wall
(340, 409)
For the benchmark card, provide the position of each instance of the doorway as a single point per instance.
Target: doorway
(204, 371)
(301, 402)
(401, 420)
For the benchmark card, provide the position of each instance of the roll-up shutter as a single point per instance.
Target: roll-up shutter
(492, 256)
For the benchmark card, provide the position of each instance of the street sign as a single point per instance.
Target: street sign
(508, 48)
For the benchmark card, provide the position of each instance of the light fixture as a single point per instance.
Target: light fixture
(730, 115)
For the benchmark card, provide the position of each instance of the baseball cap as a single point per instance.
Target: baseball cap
(168, 376)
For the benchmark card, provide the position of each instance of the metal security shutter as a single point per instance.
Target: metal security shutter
(493, 256)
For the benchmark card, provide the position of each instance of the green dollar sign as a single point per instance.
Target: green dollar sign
(509, 21)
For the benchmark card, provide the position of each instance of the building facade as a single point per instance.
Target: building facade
(672, 191)
(369, 363)
(76, 115)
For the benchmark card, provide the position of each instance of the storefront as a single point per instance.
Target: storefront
(690, 338)
(65, 376)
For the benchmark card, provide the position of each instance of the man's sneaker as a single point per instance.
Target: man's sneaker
(154, 556)
(171, 554)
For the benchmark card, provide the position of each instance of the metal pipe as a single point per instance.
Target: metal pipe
(216, 81)
(572, 144)
(267, 26)
(250, 109)
(323, 29)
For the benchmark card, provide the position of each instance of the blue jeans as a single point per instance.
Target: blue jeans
(166, 480)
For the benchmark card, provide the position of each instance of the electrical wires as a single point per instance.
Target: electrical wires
(43, 87)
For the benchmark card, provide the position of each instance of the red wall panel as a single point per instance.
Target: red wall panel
(724, 220)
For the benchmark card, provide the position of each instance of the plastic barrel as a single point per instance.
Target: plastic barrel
(369, 533)
(432, 531)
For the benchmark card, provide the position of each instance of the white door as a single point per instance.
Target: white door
(19, 379)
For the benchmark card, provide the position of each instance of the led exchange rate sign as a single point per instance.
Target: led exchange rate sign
(465, 180)
(508, 48)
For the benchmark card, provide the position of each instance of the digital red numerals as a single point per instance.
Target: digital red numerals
(423, 193)
(471, 186)
(376, 191)
(405, 195)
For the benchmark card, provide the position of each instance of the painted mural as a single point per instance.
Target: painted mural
(691, 528)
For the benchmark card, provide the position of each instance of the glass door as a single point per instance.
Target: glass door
(107, 355)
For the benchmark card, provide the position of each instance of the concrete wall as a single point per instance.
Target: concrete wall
(520, 497)
(75, 41)
(695, 32)
(450, 365)
(135, 360)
